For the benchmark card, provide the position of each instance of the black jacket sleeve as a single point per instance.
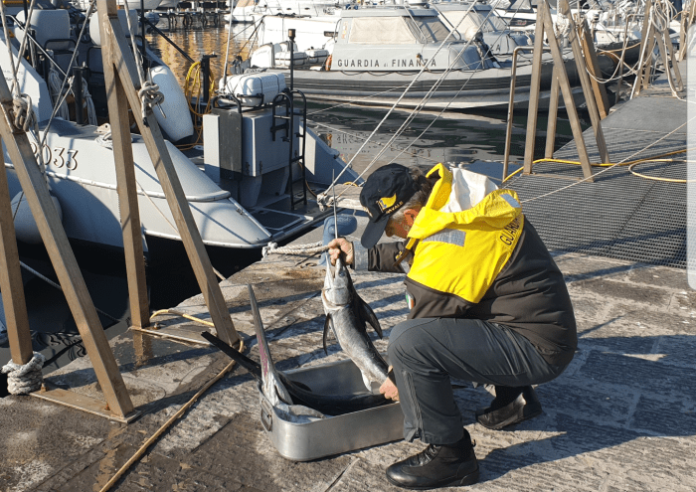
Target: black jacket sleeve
(382, 258)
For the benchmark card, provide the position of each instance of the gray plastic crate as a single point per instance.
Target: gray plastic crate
(333, 435)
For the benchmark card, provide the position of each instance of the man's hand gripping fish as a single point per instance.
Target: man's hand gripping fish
(348, 314)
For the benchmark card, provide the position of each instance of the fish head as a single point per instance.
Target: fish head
(337, 285)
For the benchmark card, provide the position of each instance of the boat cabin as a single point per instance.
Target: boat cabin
(401, 40)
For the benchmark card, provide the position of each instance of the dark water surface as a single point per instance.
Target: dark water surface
(474, 141)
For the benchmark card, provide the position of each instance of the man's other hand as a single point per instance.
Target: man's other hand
(389, 390)
(339, 247)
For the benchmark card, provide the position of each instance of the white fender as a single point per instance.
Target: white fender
(25, 225)
(178, 122)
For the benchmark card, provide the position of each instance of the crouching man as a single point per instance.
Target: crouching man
(488, 305)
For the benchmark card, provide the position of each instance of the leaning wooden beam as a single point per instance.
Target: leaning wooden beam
(16, 318)
(600, 91)
(645, 53)
(585, 82)
(553, 116)
(125, 68)
(667, 42)
(127, 194)
(64, 263)
(534, 88)
(567, 93)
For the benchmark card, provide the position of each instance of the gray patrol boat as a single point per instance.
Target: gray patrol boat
(409, 57)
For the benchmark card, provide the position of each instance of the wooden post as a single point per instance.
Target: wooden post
(553, 116)
(644, 53)
(600, 91)
(567, 93)
(585, 82)
(64, 263)
(16, 318)
(127, 196)
(115, 54)
(682, 33)
(667, 43)
(534, 88)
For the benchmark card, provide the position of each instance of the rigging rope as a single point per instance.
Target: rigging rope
(430, 93)
(610, 167)
(149, 92)
(413, 81)
(297, 250)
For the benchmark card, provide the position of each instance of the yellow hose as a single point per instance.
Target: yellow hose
(657, 158)
(655, 178)
(193, 87)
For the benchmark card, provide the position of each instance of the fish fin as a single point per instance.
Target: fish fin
(326, 331)
(369, 316)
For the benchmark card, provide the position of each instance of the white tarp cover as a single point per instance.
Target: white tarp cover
(381, 30)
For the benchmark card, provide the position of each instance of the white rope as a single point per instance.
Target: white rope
(150, 96)
(149, 92)
(104, 138)
(298, 250)
(24, 116)
(23, 379)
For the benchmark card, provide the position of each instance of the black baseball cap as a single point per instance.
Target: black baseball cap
(384, 192)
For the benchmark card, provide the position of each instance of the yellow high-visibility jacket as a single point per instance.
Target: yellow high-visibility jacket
(473, 255)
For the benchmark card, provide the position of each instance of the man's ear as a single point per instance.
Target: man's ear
(410, 215)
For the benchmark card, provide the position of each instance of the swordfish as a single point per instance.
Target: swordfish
(348, 314)
(280, 390)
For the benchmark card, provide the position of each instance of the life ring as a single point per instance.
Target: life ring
(328, 63)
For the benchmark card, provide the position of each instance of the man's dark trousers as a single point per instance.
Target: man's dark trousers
(426, 352)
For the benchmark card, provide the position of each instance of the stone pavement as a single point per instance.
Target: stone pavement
(621, 418)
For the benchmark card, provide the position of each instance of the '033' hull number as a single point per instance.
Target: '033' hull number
(58, 156)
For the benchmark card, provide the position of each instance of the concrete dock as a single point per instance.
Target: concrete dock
(621, 418)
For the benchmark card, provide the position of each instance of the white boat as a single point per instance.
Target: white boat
(243, 185)
(610, 22)
(255, 10)
(376, 53)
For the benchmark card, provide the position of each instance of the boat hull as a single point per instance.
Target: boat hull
(460, 90)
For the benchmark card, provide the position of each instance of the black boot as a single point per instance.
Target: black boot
(437, 466)
(510, 406)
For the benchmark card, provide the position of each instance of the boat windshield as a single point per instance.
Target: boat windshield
(428, 29)
(486, 23)
(381, 30)
(397, 30)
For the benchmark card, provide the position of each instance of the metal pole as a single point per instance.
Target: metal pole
(291, 35)
(77, 77)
